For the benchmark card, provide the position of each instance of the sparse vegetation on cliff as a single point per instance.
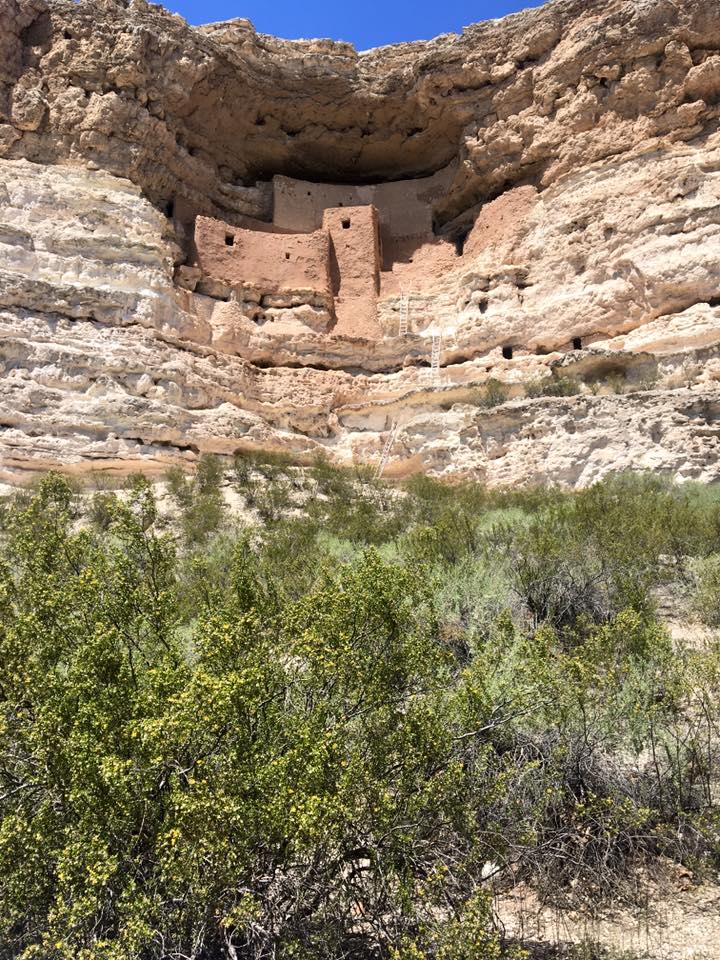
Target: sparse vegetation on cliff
(330, 734)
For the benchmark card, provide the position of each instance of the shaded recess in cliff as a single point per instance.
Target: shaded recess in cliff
(211, 114)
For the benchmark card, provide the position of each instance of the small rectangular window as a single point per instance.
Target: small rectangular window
(229, 239)
(346, 224)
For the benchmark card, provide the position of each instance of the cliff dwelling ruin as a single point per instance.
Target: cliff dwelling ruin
(215, 240)
(335, 247)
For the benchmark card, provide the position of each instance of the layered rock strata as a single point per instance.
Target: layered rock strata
(539, 197)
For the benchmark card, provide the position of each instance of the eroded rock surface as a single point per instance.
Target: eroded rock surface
(176, 275)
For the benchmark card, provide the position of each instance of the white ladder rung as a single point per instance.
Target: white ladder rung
(435, 354)
(404, 315)
(387, 449)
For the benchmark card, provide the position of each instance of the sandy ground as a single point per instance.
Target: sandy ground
(678, 925)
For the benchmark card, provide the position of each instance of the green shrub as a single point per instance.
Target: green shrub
(705, 597)
(272, 499)
(269, 463)
(221, 744)
(101, 510)
(198, 498)
(554, 387)
(210, 474)
(331, 480)
(617, 381)
(491, 394)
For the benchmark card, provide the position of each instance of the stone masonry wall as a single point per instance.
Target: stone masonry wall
(269, 262)
(404, 207)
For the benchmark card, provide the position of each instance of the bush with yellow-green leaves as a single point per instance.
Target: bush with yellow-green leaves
(241, 748)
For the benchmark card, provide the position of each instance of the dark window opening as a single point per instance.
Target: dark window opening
(507, 353)
(577, 343)
(287, 256)
(309, 193)
(67, 35)
(346, 224)
(483, 306)
(340, 204)
(714, 302)
(229, 239)
(260, 121)
(170, 208)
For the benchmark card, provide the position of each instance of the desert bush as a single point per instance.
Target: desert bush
(268, 463)
(682, 377)
(452, 536)
(242, 468)
(101, 509)
(331, 480)
(198, 498)
(239, 744)
(604, 549)
(492, 394)
(430, 498)
(705, 597)
(554, 387)
(471, 595)
(272, 499)
(159, 793)
(649, 378)
(617, 382)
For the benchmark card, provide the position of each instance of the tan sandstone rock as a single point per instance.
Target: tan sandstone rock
(539, 195)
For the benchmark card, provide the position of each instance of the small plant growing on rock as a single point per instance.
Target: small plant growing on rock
(682, 378)
(617, 382)
(492, 394)
(554, 387)
(495, 393)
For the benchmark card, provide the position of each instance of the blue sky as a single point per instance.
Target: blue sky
(366, 23)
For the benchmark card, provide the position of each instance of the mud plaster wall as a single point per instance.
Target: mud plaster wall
(405, 207)
(417, 265)
(354, 269)
(270, 262)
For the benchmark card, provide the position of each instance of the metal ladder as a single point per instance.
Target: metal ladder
(435, 352)
(387, 447)
(404, 315)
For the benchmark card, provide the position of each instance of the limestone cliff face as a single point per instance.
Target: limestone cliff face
(571, 227)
